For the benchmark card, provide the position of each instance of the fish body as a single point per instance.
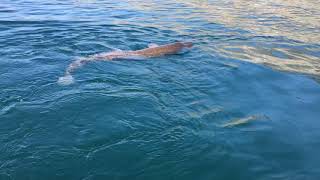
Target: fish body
(156, 51)
(152, 51)
(241, 121)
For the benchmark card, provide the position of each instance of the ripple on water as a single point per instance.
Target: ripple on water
(159, 118)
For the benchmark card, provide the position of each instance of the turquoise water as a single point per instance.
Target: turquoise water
(244, 103)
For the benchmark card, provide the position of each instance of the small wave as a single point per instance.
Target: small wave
(6, 109)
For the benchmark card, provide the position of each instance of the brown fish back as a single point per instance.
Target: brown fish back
(160, 50)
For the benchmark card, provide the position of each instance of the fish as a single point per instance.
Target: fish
(240, 121)
(153, 50)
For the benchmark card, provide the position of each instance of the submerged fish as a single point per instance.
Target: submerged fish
(240, 121)
(152, 51)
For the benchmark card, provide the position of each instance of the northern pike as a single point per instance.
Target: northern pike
(152, 51)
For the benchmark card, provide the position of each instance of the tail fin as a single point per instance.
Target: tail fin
(67, 78)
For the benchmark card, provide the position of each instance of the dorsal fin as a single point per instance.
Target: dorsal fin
(152, 45)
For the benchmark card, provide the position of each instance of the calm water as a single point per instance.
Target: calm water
(167, 117)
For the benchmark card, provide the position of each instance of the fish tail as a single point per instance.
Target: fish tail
(68, 78)
(77, 64)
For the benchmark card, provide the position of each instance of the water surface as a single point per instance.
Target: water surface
(167, 117)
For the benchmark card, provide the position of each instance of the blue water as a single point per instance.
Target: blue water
(160, 118)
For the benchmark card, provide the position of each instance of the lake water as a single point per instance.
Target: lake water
(244, 103)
